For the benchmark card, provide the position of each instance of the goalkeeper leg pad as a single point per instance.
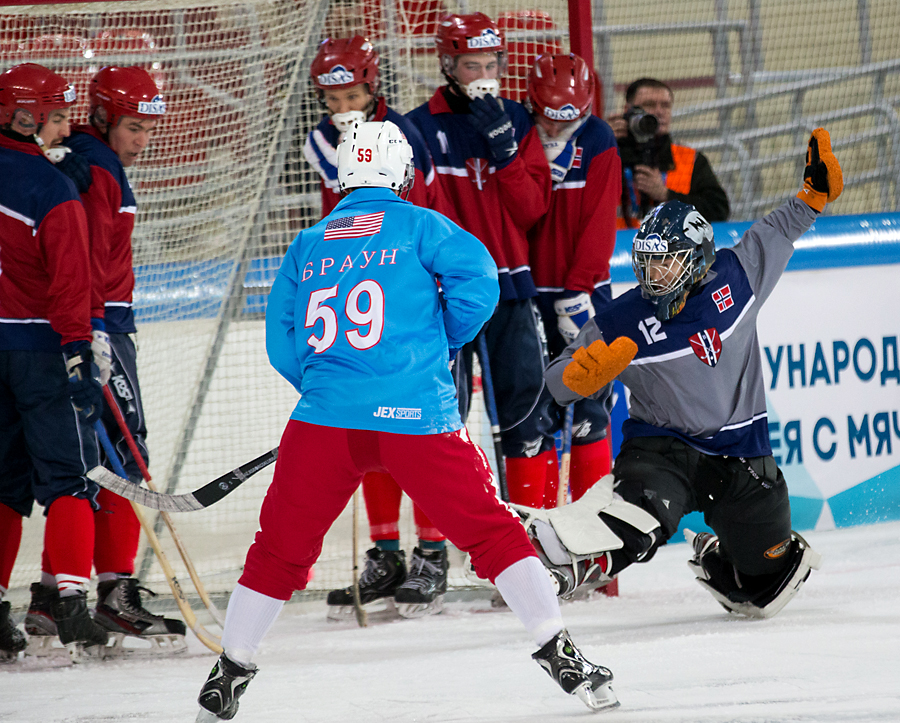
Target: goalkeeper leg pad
(726, 588)
(574, 541)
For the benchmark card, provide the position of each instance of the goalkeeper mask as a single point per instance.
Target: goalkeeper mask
(672, 252)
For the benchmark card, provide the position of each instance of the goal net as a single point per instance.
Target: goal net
(224, 188)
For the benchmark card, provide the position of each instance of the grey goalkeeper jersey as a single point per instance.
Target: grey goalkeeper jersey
(699, 375)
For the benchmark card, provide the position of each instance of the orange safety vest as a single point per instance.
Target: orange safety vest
(678, 179)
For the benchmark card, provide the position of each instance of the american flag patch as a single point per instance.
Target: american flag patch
(723, 299)
(354, 226)
(577, 162)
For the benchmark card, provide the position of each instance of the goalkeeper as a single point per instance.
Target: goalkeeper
(697, 437)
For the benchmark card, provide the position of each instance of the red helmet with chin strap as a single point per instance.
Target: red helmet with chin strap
(465, 34)
(125, 92)
(345, 62)
(561, 87)
(33, 88)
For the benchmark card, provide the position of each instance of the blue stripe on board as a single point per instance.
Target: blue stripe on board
(833, 241)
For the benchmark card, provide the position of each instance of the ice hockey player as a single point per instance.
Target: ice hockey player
(697, 437)
(571, 246)
(50, 390)
(345, 74)
(354, 294)
(125, 107)
(489, 156)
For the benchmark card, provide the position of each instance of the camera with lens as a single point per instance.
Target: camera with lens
(641, 125)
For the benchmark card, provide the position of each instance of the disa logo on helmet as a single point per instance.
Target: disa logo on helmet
(653, 244)
(338, 75)
(157, 106)
(567, 113)
(487, 39)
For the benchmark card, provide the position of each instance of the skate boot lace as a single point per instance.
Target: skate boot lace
(131, 599)
(375, 568)
(422, 574)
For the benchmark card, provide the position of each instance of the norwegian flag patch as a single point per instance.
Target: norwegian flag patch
(577, 162)
(723, 299)
(707, 345)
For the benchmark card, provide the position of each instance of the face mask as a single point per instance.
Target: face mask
(344, 121)
(482, 87)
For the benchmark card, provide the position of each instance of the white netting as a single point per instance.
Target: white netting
(223, 188)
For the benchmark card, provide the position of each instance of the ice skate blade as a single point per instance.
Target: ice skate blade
(382, 608)
(410, 611)
(121, 645)
(602, 698)
(205, 716)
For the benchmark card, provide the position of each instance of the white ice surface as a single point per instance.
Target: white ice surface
(833, 654)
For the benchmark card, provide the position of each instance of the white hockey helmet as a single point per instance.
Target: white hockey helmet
(375, 154)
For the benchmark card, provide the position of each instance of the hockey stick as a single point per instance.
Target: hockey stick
(199, 499)
(176, 538)
(362, 617)
(203, 635)
(562, 493)
(490, 403)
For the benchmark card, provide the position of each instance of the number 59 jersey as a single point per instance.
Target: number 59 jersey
(365, 307)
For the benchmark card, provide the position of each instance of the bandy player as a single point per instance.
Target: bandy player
(356, 323)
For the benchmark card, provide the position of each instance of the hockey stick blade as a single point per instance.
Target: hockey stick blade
(190, 501)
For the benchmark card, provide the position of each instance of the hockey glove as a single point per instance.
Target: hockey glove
(102, 350)
(494, 123)
(85, 389)
(593, 368)
(572, 312)
(78, 169)
(823, 180)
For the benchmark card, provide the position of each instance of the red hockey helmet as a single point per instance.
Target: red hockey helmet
(125, 92)
(561, 87)
(464, 34)
(33, 88)
(345, 62)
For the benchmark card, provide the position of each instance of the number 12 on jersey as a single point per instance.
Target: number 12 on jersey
(372, 316)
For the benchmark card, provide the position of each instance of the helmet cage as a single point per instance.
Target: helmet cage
(375, 154)
(672, 252)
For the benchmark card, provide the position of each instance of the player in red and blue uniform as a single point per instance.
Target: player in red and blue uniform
(572, 244)
(125, 107)
(356, 323)
(50, 392)
(489, 157)
(345, 74)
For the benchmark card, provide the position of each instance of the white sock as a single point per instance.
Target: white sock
(249, 617)
(525, 586)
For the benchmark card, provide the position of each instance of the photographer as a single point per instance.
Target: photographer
(654, 169)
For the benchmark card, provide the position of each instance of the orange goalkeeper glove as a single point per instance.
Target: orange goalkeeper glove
(594, 367)
(823, 180)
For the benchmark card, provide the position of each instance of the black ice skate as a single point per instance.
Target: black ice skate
(12, 640)
(384, 572)
(422, 593)
(77, 632)
(219, 695)
(575, 674)
(120, 611)
(43, 638)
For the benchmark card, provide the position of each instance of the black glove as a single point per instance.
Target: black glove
(78, 169)
(496, 126)
(85, 389)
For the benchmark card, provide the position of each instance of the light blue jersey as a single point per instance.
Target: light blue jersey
(355, 321)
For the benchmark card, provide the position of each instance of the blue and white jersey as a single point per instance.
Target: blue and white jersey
(699, 375)
(356, 322)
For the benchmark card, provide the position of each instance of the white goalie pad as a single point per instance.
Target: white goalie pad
(578, 525)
